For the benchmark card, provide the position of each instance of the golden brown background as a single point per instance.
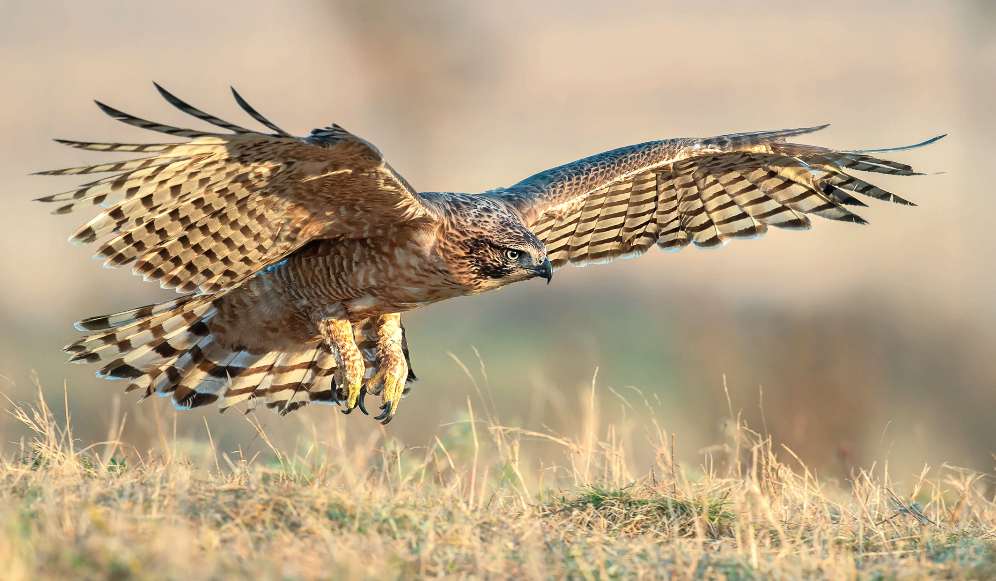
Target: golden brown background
(847, 328)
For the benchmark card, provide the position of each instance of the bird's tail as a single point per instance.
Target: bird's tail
(168, 349)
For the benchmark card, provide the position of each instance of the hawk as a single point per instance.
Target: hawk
(299, 254)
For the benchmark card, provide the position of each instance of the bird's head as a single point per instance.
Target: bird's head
(489, 247)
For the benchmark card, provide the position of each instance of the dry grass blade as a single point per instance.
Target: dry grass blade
(334, 510)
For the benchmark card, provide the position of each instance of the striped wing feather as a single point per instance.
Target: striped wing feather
(701, 192)
(206, 213)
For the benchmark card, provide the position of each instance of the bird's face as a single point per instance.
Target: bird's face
(510, 258)
(497, 249)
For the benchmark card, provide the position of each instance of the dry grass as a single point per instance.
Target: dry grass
(473, 506)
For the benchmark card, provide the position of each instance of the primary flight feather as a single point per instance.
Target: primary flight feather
(300, 253)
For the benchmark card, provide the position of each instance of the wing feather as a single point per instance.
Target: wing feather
(704, 192)
(256, 115)
(195, 112)
(209, 212)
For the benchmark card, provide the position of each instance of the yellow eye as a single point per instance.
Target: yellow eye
(512, 254)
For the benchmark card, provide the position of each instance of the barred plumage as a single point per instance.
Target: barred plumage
(300, 252)
(695, 191)
(168, 349)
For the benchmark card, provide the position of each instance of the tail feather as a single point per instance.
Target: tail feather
(123, 318)
(289, 387)
(168, 349)
(183, 317)
(323, 389)
(205, 380)
(289, 373)
(184, 378)
(255, 369)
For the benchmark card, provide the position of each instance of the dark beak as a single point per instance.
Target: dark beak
(545, 270)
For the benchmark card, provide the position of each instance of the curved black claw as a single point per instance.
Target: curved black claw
(386, 416)
(359, 401)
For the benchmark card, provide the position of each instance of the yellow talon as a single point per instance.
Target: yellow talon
(391, 379)
(338, 334)
(392, 392)
(354, 394)
(352, 384)
(392, 367)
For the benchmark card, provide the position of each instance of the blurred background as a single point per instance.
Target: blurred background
(869, 343)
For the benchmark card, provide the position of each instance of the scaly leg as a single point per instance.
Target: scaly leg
(392, 367)
(338, 333)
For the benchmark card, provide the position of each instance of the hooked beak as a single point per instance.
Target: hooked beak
(545, 270)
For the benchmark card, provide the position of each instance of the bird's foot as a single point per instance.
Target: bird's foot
(392, 367)
(351, 386)
(338, 333)
(390, 378)
(355, 399)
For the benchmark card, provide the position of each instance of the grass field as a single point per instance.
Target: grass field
(482, 502)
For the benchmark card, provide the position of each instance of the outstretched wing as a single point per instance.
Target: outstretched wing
(700, 191)
(208, 212)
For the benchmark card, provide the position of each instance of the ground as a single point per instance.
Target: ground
(342, 510)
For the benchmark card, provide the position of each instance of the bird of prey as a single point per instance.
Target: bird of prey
(299, 254)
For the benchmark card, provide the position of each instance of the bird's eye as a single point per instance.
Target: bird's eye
(512, 254)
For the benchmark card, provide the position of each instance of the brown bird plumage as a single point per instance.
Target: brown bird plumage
(299, 254)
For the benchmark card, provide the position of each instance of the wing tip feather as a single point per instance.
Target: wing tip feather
(199, 114)
(902, 148)
(785, 133)
(111, 111)
(256, 114)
